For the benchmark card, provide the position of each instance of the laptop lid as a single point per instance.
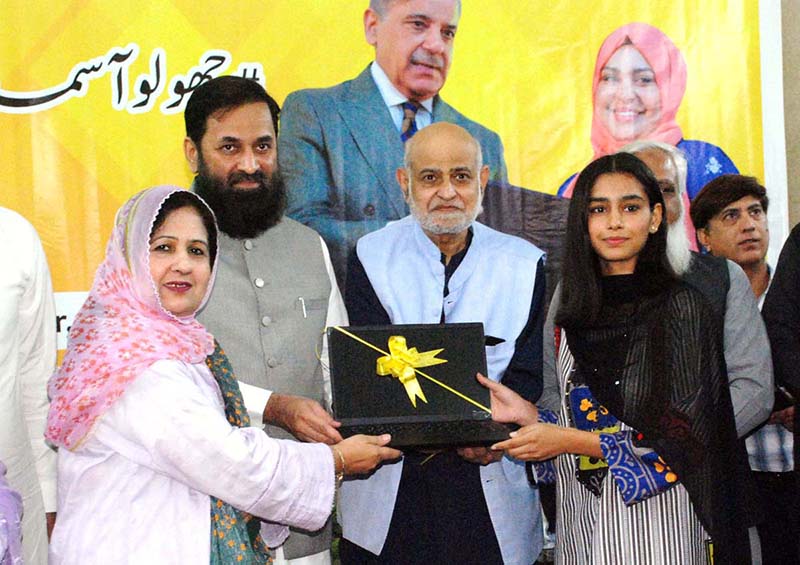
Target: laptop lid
(362, 396)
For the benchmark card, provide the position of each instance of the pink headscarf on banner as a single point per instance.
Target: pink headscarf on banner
(122, 328)
(669, 68)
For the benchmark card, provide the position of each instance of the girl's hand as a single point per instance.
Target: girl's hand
(507, 405)
(539, 442)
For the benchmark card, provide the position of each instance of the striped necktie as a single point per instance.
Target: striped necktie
(409, 126)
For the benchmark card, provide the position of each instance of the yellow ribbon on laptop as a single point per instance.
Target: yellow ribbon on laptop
(401, 362)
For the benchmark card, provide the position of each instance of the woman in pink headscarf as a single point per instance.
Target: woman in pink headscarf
(638, 84)
(157, 460)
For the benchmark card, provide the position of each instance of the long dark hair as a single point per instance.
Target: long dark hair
(581, 295)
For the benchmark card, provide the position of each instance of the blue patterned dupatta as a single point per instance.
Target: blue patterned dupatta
(235, 534)
(638, 471)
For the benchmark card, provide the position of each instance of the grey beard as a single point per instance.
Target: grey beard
(429, 225)
(679, 253)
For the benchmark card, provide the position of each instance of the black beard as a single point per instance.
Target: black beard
(243, 214)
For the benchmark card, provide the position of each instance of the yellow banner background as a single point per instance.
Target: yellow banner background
(521, 68)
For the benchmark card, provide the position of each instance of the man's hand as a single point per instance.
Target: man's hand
(302, 417)
(479, 455)
(784, 417)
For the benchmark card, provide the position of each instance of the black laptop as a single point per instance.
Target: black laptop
(368, 403)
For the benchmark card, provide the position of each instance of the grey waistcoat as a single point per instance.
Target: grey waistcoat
(268, 311)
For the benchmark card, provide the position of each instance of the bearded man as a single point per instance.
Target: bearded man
(439, 265)
(275, 290)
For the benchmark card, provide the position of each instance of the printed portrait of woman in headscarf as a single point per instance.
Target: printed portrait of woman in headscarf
(637, 87)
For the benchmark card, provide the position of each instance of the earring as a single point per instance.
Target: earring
(653, 229)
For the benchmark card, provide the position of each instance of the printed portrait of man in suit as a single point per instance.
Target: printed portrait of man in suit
(340, 146)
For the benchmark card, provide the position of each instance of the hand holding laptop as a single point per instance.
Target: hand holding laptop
(304, 418)
(535, 441)
(507, 406)
(360, 454)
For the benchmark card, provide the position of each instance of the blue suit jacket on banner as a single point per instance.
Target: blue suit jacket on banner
(339, 150)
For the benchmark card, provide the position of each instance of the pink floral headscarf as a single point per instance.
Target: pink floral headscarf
(122, 328)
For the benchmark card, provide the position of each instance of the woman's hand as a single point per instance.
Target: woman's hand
(507, 405)
(539, 442)
(360, 454)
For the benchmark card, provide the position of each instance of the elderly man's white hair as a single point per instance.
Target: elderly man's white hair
(678, 247)
(676, 156)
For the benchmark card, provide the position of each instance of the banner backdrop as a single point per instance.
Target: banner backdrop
(92, 92)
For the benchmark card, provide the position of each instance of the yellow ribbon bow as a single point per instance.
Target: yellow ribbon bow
(401, 363)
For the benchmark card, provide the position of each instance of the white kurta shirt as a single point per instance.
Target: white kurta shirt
(137, 489)
(27, 359)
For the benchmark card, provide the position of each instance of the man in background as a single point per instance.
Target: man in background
(730, 215)
(727, 289)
